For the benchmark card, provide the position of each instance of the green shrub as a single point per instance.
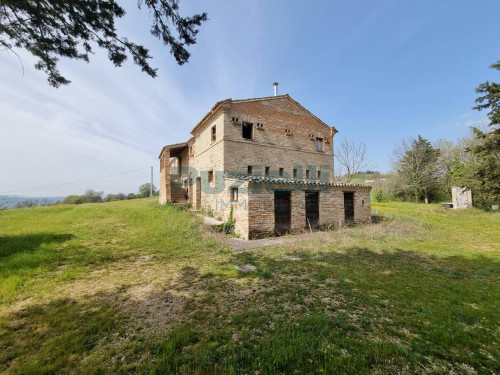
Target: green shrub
(72, 199)
(228, 226)
(378, 196)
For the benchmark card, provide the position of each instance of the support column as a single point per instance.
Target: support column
(165, 189)
(298, 206)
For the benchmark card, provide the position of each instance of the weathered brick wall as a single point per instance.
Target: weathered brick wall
(220, 204)
(207, 155)
(362, 206)
(260, 211)
(270, 146)
(331, 207)
(164, 187)
(297, 198)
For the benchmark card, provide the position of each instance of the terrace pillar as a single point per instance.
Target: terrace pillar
(165, 189)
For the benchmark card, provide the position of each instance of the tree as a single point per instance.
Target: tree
(110, 198)
(145, 190)
(487, 151)
(115, 197)
(351, 157)
(415, 162)
(28, 203)
(72, 199)
(91, 196)
(131, 196)
(50, 29)
(490, 99)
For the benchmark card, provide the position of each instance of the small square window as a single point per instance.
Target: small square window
(307, 173)
(295, 173)
(210, 176)
(319, 144)
(250, 170)
(281, 172)
(246, 130)
(266, 171)
(214, 133)
(234, 194)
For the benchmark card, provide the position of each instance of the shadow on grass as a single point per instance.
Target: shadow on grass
(354, 312)
(48, 337)
(10, 245)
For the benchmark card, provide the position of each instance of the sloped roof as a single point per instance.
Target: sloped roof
(175, 148)
(285, 96)
(227, 103)
(291, 181)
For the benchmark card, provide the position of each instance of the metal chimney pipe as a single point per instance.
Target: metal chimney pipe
(275, 84)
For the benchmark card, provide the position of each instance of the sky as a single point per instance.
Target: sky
(378, 71)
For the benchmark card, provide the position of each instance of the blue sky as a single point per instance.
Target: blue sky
(376, 70)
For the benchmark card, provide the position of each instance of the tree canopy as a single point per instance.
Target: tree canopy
(145, 190)
(490, 99)
(50, 29)
(485, 177)
(416, 165)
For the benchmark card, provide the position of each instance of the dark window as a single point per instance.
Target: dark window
(319, 175)
(281, 172)
(246, 130)
(319, 144)
(249, 170)
(210, 176)
(294, 173)
(266, 171)
(214, 133)
(307, 173)
(234, 194)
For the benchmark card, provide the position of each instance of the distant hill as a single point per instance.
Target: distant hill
(10, 201)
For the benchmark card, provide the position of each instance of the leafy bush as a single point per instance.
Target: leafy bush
(228, 226)
(145, 190)
(378, 196)
(72, 199)
(92, 196)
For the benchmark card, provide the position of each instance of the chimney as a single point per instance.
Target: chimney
(275, 84)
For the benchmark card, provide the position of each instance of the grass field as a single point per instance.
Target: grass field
(133, 287)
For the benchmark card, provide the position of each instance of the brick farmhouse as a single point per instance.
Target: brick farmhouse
(269, 161)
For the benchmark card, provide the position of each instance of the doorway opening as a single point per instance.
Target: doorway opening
(282, 212)
(312, 209)
(349, 207)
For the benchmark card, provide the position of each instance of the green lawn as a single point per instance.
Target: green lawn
(133, 287)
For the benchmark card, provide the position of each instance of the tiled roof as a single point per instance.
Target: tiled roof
(291, 181)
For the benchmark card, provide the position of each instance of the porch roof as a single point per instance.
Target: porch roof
(175, 149)
(292, 181)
